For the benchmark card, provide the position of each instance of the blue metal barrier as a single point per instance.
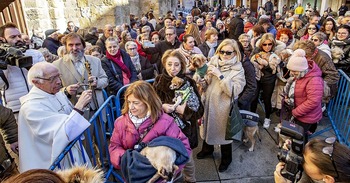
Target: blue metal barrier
(339, 111)
(104, 117)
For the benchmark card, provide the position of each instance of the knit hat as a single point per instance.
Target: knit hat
(298, 62)
(50, 31)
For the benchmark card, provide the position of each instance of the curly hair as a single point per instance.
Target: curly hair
(285, 31)
(307, 45)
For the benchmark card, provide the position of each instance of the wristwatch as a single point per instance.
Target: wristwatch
(221, 77)
(66, 93)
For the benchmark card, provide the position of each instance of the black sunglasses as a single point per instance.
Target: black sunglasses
(226, 52)
(269, 44)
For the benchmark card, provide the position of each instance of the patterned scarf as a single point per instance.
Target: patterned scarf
(136, 61)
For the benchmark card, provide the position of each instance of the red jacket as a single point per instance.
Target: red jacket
(308, 94)
(125, 135)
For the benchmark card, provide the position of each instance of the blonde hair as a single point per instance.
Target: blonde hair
(144, 92)
(210, 32)
(267, 37)
(194, 31)
(233, 44)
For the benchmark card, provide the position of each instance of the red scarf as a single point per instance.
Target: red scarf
(117, 58)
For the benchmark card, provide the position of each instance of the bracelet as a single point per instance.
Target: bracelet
(79, 111)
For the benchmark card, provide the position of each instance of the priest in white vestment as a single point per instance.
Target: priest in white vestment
(47, 120)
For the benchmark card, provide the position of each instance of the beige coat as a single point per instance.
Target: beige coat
(217, 99)
(71, 76)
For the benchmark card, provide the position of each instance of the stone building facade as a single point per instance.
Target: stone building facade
(46, 14)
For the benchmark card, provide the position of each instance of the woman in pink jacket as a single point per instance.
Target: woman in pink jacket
(304, 93)
(142, 120)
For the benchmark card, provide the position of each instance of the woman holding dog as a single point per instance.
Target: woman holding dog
(142, 120)
(324, 161)
(174, 65)
(265, 62)
(341, 42)
(226, 74)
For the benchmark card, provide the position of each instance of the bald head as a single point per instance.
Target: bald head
(108, 30)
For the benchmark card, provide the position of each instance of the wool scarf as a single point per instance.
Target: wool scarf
(212, 48)
(117, 58)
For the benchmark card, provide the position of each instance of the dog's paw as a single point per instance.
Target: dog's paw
(245, 140)
(251, 149)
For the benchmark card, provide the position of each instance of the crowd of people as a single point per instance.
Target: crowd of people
(288, 59)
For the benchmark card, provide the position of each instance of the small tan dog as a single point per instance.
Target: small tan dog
(82, 174)
(162, 159)
(251, 128)
(199, 63)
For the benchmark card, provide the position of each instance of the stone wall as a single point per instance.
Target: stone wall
(46, 14)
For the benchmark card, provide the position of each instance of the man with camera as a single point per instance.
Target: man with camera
(13, 82)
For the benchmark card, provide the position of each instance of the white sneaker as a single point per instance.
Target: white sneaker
(267, 122)
(277, 129)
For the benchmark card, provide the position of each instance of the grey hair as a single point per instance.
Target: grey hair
(321, 36)
(130, 43)
(37, 71)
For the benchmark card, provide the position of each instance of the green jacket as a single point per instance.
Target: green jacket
(9, 130)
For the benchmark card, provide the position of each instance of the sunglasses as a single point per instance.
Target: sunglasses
(310, 28)
(314, 40)
(329, 151)
(268, 44)
(226, 52)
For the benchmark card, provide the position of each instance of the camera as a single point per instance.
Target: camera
(14, 56)
(292, 158)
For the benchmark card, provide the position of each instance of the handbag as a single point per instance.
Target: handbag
(234, 123)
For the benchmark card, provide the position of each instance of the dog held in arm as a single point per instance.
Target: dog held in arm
(162, 159)
(199, 63)
(183, 93)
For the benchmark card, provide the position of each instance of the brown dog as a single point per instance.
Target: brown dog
(249, 132)
(162, 159)
(82, 174)
(199, 63)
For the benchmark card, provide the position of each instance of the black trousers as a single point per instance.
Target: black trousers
(267, 90)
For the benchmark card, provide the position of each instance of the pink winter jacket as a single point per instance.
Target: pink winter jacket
(308, 96)
(125, 135)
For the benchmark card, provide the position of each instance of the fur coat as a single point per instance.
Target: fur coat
(161, 85)
(217, 99)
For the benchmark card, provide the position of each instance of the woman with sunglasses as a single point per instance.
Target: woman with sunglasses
(310, 30)
(340, 47)
(319, 39)
(226, 74)
(325, 161)
(265, 62)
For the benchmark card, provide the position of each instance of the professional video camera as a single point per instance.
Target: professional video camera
(14, 56)
(292, 158)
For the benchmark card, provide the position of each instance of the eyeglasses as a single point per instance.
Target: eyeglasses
(311, 28)
(315, 40)
(51, 79)
(342, 33)
(329, 151)
(132, 49)
(226, 52)
(169, 34)
(268, 44)
(244, 41)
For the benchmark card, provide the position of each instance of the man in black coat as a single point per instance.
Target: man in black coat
(343, 9)
(170, 42)
(236, 27)
(107, 32)
(51, 42)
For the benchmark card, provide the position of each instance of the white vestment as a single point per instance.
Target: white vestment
(46, 125)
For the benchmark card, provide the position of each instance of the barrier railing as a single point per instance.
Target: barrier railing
(339, 111)
(97, 144)
(97, 137)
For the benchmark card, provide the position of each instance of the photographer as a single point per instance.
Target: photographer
(13, 83)
(324, 161)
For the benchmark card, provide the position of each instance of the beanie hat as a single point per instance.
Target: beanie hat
(50, 31)
(298, 62)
